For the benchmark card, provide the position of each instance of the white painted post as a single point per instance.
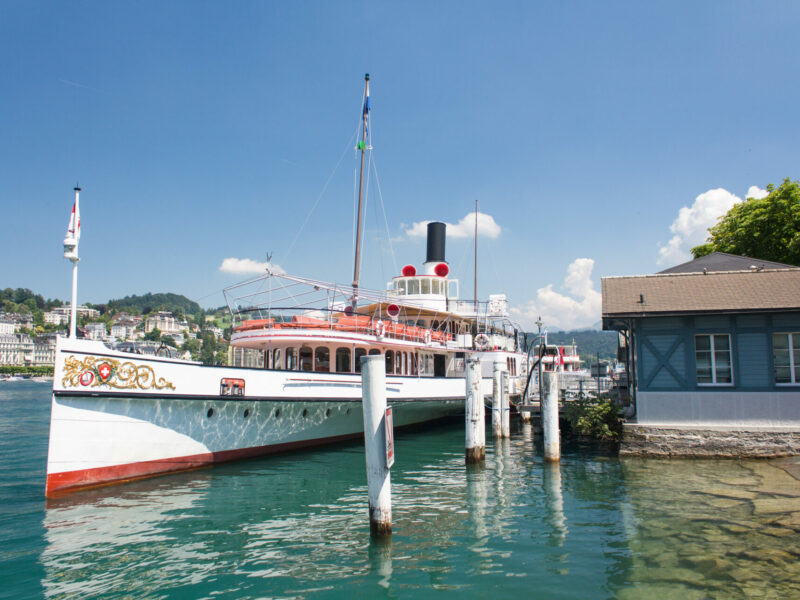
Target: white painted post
(552, 441)
(475, 443)
(506, 405)
(497, 399)
(373, 395)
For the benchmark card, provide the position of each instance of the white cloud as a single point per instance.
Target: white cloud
(756, 192)
(245, 266)
(691, 227)
(465, 228)
(582, 308)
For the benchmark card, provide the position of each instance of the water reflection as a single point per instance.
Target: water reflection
(380, 560)
(555, 503)
(297, 526)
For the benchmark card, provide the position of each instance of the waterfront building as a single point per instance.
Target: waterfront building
(7, 326)
(55, 318)
(713, 342)
(17, 320)
(165, 322)
(96, 331)
(44, 349)
(82, 311)
(16, 349)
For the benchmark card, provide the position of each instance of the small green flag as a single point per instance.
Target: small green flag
(361, 145)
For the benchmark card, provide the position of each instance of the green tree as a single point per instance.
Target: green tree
(154, 335)
(209, 349)
(169, 340)
(766, 228)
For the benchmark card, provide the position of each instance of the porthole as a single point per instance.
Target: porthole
(210, 413)
(305, 413)
(277, 412)
(246, 412)
(328, 413)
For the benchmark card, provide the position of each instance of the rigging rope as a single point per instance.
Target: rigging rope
(322, 193)
(385, 219)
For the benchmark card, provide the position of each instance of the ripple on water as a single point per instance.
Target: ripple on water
(295, 525)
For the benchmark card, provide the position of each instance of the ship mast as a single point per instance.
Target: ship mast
(363, 147)
(475, 291)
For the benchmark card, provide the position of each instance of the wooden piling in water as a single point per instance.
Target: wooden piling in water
(552, 439)
(475, 442)
(379, 483)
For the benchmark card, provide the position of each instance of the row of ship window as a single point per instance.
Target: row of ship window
(714, 365)
(319, 360)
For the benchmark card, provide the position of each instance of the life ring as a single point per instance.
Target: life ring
(427, 336)
(380, 329)
(481, 341)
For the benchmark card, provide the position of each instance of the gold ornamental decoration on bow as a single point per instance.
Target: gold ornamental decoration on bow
(95, 371)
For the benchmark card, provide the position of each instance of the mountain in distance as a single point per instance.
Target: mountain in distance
(152, 302)
(590, 342)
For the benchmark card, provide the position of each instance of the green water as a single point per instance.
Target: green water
(296, 526)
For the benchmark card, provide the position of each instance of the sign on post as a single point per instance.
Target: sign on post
(388, 425)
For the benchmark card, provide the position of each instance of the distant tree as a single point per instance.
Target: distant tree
(208, 351)
(169, 340)
(193, 346)
(766, 228)
(153, 335)
(23, 294)
(200, 318)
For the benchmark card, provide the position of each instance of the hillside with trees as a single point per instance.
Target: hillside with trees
(589, 342)
(174, 303)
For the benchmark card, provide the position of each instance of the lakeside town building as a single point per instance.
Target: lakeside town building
(60, 315)
(165, 322)
(713, 344)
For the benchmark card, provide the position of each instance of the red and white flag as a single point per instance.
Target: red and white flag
(74, 228)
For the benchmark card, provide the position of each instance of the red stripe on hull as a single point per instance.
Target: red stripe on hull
(71, 481)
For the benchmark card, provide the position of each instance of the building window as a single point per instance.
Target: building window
(786, 357)
(713, 359)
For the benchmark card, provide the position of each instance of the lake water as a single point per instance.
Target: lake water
(295, 526)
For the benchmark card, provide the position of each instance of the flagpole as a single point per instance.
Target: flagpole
(71, 253)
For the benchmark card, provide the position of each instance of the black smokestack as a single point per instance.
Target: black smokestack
(436, 237)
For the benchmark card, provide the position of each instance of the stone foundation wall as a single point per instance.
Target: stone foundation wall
(711, 442)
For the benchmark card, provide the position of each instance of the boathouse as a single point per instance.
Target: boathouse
(711, 345)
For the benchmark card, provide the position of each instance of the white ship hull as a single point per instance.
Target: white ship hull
(118, 416)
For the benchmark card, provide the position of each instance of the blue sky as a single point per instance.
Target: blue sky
(601, 138)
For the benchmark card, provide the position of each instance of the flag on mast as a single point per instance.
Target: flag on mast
(73, 230)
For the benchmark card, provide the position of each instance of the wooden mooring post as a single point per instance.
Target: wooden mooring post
(552, 439)
(475, 442)
(379, 483)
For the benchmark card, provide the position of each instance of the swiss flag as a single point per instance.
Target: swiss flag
(104, 371)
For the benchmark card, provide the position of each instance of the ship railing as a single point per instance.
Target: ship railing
(336, 321)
